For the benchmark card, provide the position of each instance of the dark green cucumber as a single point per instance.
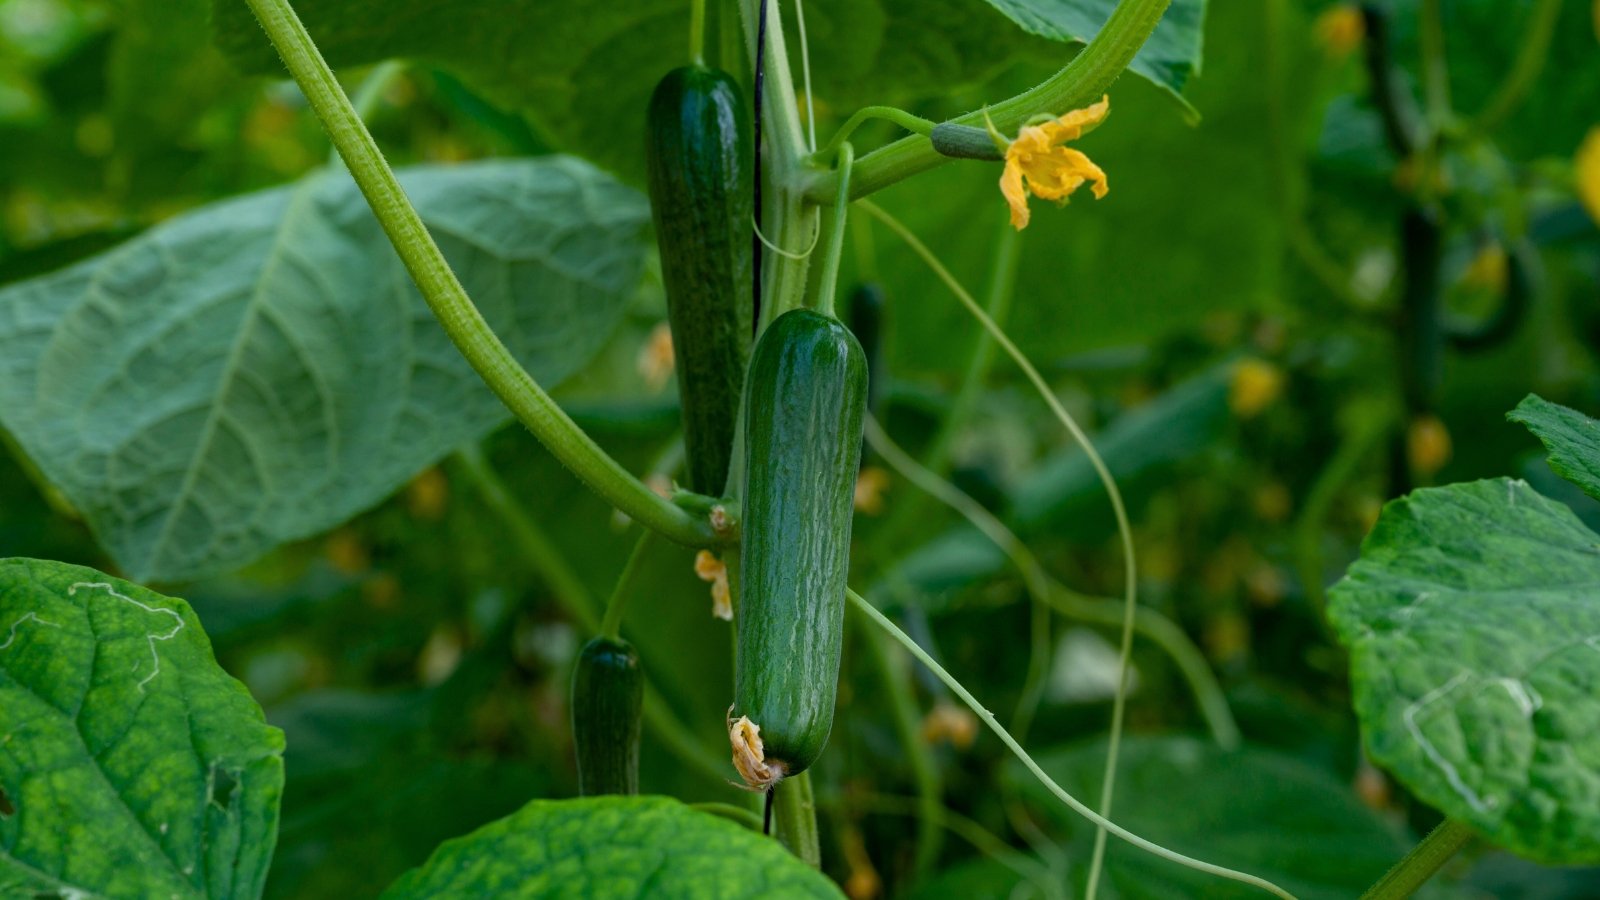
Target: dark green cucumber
(607, 702)
(698, 154)
(806, 397)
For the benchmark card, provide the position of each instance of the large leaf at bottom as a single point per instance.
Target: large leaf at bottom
(261, 369)
(1251, 809)
(612, 847)
(1473, 622)
(131, 764)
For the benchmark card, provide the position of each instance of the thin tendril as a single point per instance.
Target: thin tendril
(788, 254)
(1060, 793)
(1124, 529)
(755, 195)
(805, 74)
(908, 121)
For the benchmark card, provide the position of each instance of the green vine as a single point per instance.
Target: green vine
(449, 302)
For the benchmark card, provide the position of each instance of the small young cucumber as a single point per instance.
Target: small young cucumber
(698, 157)
(806, 396)
(607, 701)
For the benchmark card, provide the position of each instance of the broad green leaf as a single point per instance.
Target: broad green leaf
(1251, 809)
(132, 765)
(1572, 438)
(1168, 58)
(612, 847)
(583, 70)
(1473, 626)
(262, 369)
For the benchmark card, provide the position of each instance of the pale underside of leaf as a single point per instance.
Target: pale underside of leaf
(262, 369)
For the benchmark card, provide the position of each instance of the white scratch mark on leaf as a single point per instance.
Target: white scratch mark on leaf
(1432, 752)
(1523, 694)
(12, 636)
(155, 658)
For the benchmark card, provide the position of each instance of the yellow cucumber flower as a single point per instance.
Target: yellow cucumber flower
(1052, 170)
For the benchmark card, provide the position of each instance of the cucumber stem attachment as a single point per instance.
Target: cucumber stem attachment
(611, 625)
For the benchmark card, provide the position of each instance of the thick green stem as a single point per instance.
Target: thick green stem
(1082, 82)
(833, 248)
(794, 815)
(463, 323)
(1411, 873)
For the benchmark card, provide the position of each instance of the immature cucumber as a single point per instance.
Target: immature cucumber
(607, 701)
(805, 400)
(698, 154)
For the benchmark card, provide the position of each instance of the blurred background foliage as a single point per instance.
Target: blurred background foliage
(1224, 322)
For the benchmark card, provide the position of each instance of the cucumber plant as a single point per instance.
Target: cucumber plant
(223, 398)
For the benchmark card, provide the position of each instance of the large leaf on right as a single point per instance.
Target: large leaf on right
(131, 765)
(1572, 438)
(612, 847)
(1251, 809)
(1473, 623)
(261, 369)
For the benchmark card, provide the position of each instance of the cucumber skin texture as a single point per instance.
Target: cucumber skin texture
(698, 162)
(607, 703)
(805, 403)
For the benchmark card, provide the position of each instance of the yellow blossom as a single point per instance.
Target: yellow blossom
(1427, 444)
(655, 357)
(871, 485)
(1052, 170)
(950, 723)
(1340, 29)
(1256, 384)
(1587, 162)
(714, 570)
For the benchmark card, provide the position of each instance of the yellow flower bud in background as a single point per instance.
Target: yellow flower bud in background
(1427, 444)
(1340, 30)
(1256, 384)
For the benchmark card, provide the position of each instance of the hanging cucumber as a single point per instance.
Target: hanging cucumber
(698, 157)
(805, 402)
(607, 702)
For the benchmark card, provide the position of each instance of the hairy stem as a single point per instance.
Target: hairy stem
(449, 302)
